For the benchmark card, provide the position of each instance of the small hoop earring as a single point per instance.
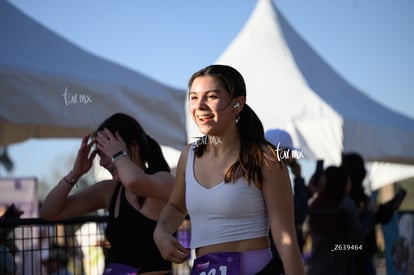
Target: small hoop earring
(237, 118)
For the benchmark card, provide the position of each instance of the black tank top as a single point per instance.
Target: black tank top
(131, 237)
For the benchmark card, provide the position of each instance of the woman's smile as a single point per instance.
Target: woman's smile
(205, 118)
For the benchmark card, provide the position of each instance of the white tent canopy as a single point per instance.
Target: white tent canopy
(383, 173)
(291, 87)
(51, 88)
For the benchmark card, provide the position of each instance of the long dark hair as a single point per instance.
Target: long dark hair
(250, 128)
(133, 134)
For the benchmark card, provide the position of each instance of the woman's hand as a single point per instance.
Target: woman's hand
(84, 158)
(109, 144)
(170, 248)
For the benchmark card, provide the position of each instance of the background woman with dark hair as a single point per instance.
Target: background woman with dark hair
(140, 186)
(335, 227)
(232, 189)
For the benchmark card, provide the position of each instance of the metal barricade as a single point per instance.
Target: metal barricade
(42, 247)
(78, 246)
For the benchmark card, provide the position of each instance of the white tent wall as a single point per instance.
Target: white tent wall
(384, 173)
(49, 87)
(291, 87)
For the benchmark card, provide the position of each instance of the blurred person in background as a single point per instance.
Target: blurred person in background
(335, 227)
(7, 245)
(57, 261)
(370, 213)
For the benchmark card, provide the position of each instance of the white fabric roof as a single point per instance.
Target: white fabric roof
(292, 88)
(383, 173)
(37, 69)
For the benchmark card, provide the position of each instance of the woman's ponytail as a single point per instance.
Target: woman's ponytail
(155, 158)
(251, 156)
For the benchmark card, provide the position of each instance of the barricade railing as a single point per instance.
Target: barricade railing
(40, 247)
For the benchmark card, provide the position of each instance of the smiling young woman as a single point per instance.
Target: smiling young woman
(233, 190)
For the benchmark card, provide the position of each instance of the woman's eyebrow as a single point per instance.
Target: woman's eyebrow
(206, 92)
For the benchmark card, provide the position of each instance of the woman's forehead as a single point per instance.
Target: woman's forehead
(204, 84)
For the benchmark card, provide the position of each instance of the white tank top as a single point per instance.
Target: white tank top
(224, 213)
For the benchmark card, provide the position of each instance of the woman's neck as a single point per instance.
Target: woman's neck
(223, 144)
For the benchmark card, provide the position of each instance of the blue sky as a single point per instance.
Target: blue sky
(369, 42)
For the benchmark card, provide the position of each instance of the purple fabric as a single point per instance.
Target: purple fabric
(120, 269)
(254, 260)
(184, 237)
(221, 263)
